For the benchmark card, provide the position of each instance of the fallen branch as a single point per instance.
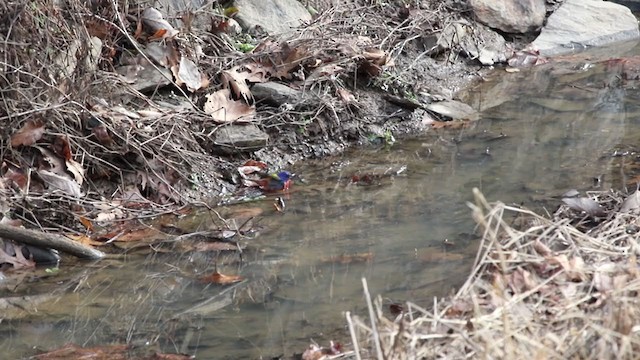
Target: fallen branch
(58, 242)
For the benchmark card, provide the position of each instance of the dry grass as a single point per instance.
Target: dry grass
(542, 289)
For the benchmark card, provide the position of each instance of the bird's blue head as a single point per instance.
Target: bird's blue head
(284, 175)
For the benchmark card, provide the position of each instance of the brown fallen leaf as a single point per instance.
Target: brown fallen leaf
(86, 223)
(521, 280)
(236, 83)
(102, 135)
(281, 58)
(61, 147)
(17, 176)
(346, 96)
(187, 73)
(85, 240)
(223, 109)
(29, 134)
(541, 248)
(61, 182)
(220, 279)
(15, 256)
(155, 24)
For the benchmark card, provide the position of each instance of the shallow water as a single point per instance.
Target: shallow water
(541, 133)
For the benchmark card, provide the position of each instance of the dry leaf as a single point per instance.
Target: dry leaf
(376, 56)
(255, 72)
(632, 202)
(102, 135)
(17, 176)
(85, 240)
(236, 83)
(223, 109)
(86, 223)
(220, 279)
(61, 182)
(281, 59)
(346, 96)
(55, 164)
(586, 205)
(541, 248)
(326, 71)
(602, 282)
(18, 260)
(189, 74)
(61, 147)
(77, 171)
(29, 134)
(154, 23)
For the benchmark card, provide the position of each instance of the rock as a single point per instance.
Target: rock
(486, 45)
(455, 110)
(512, 16)
(145, 78)
(633, 5)
(475, 40)
(241, 138)
(276, 93)
(579, 24)
(274, 16)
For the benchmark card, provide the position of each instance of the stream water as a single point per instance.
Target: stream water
(409, 233)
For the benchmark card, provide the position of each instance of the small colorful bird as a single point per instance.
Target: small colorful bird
(275, 182)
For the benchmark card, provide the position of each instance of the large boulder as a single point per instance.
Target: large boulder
(274, 16)
(512, 16)
(580, 24)
(633, 5)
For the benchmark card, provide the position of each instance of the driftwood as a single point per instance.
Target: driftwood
(53, 241)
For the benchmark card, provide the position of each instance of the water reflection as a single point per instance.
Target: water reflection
(542, 132)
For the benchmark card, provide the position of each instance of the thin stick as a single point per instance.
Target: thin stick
(374, 328)
(354, 336)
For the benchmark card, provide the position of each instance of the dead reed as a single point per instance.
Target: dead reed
(542, 290)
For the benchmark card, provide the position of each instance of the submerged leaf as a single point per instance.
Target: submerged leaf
(220, 279)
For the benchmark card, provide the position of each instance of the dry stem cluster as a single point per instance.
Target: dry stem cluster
(543, 290)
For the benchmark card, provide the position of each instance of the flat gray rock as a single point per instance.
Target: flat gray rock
(453, 109)
(274, 16)
(580, 24)
(241, 138)
(512, 16)
(145, 78)
(276, 93)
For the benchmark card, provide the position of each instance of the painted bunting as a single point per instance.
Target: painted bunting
(275, 182)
